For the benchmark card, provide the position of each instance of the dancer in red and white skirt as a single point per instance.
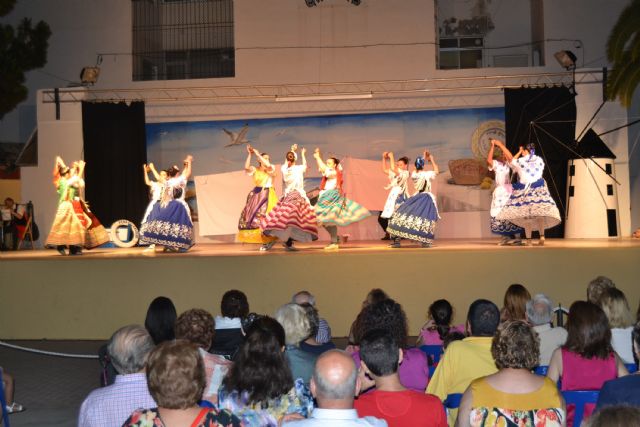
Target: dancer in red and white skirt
(292, 218)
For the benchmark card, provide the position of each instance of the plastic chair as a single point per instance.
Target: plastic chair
(205, 404)
(541, 370)
(433, 352)
(3, 402)
(580, 398)
(631, 367)
(452, 401)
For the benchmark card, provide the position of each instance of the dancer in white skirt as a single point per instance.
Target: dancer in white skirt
(398, 174)
(530, 205)
(155, 190)
(499, 162)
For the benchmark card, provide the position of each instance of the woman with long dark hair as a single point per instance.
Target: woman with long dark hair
(161, 320)
(438, 325)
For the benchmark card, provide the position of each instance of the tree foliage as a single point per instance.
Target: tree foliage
(22, 49)
(623, 51)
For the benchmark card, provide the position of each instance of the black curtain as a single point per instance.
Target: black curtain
(547, 118)
(115, 150)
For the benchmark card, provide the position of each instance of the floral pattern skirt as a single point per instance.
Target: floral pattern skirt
(335, 209)
(497, 417)
(169, 226)
(415, 219)
(531, 206)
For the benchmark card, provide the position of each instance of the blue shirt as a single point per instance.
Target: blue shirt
(620, 391)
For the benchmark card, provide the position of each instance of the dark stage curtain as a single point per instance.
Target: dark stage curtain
(115, 150)
(547, 118)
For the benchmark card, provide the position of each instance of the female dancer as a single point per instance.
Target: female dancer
(333, 209)
(416, 218)
(169, 222)
(530, 205)
(398, 193)
(292, 218)
(499, 164)
(260, 200)
(96, 234)
(155, 191)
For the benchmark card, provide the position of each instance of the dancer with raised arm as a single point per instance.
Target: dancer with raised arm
(499, 159)
(169, 222)
(333, 209)
(260, 200)
(530, 205)
(96, 234)
(416, 218)
(398, 174)
(292, 218)
(155, 190)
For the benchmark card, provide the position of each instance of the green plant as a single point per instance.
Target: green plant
(623, 51)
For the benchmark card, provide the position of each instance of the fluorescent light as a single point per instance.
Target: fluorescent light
(336, 97)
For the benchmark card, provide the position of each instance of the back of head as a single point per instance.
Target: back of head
(375, 295)
(483, 318)
(161, 319)
(386, 314)
(293, 319)
(260, 367)
(616, 307)
(540, 310)
(313, 318)
(335, 377)
(597, 286)
(515, 301)
(515, 345)
(175, 375)
(379, 352)
(588, 332)
(441, 312)
(196, 325)
(615, 416)
(129, 348)
(303, 297)
(234, 304)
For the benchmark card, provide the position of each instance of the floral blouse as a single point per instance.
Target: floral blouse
(207, 417)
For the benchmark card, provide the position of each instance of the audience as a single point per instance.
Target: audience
(540, 316)
(12, 216)
(228, 338)
(597, 286)
(259, 387)
(587, 359)
(161, 320)
(324, 330)
(390, 400)
(176, 378)
(438, 325)
(625, 390)
(513, 395)
(375, 295)
(470, 358)
(197, 326)
(297, 328)
(515, 303)
(110, 406)
(8, 383)
(616, 307)
(334, 384)
(615, 416)
(389, 316)
(311, 344)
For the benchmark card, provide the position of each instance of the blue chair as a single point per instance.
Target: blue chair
(433, 352)
(541, 370)
(432, 370)
(631, 367)
(580, 398)
(452, 401)
(3, 402)
(205, 404)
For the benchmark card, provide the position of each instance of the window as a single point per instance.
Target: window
(182, 39)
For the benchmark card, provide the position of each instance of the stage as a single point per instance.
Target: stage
(46, 295)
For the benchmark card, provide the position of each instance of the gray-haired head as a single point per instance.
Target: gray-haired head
(335, 377)
(540, 310)
(302, 297)
(596, 287)
(129, 348)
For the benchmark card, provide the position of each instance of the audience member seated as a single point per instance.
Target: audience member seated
(390, 400)
(470, 358)
(375, 295)
(451, 337)
(616, 307)
(587, 359)
(311, 344)
(389, 316)
(597, 286)
(12, 407)
(615, 416)
(324, 330)
(197, 326)
(229, 336)
(438, 324)
(540, 316)
(161, 320)
(110, 406)
(515, 303)
(12, 216)
(295, 322)
(176, 378)
(513, 395)
(259, 387)
(625, 390)
(334, 384)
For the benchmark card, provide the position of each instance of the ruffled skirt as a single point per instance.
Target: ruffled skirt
(169, 226)
(292, 217)
(260, 201)
(416, 219)
(335, 209)
(69, 226)
(530, 206)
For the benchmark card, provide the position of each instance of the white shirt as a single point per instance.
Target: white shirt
(529, 168)
(332, 179)
(338, 418)
(621, 343)
(502, 171)
(422, 180)
(293, 177)
(550, 339)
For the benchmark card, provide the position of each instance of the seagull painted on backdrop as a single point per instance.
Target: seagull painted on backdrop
(237, 138)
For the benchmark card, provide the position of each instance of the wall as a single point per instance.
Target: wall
(10, 188)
